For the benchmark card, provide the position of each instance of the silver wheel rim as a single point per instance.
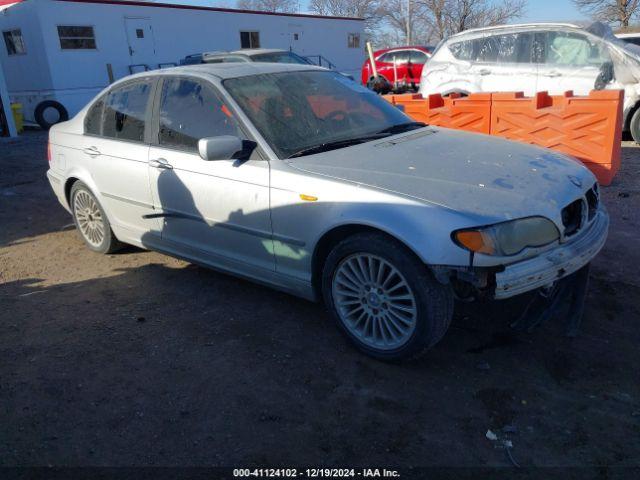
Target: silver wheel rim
(374, 301)
(89, 218)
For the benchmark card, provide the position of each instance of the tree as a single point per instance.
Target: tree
(269, 5)
(618, 11)
(448, 17)
(407, 21)
(369, 10)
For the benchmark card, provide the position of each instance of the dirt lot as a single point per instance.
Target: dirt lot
(140, 359)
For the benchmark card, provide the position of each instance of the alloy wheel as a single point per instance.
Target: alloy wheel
(374, 301)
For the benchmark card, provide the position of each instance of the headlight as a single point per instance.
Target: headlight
(508, 238)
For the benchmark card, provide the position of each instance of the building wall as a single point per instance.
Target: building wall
(29, 71)
(73, 77)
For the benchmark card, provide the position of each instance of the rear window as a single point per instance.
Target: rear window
(125, 111)
(400, 56)
(465, 50)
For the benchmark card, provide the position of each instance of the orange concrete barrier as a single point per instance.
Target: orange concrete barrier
(589, 128)
(472, 113)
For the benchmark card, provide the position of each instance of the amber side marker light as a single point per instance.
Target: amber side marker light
(475, 241)
(308, 198)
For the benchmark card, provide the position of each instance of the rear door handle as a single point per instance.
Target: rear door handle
(160, 163)
(92, 151)
(484, 71)
(553, 74)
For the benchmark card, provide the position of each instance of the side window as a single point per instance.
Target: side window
(489, 47)
(515, 48)
(465, 50)
(418, 58)
(189, 111)
(401, 56)
(573, 49)
(125, 111)
(93, 119)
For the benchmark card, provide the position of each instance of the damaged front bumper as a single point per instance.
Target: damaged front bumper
(555, 264)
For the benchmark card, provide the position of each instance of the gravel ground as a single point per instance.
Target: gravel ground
(141, 359)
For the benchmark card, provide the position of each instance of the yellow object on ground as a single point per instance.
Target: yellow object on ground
(18, 117)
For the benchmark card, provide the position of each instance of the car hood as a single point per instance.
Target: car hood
(470, 173)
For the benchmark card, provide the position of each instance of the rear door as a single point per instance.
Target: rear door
(214, 210)
(386, 62)
(116, 149)
(504, 63)
(142, 48)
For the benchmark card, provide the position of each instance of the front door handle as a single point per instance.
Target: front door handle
(484, 71)
(160, 163)
(92, 151)
(553, 74)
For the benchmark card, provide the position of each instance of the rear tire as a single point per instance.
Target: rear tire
(634, 126)
(91, 221)
(384, 298)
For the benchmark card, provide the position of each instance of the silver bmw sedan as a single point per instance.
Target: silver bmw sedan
(298, 178)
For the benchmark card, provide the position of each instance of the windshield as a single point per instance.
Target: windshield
(280, 57)
(297, 112)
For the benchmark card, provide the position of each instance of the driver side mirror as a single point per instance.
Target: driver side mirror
(223, 147)
(605, 76)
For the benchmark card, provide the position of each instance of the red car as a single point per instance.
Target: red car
(409, 62)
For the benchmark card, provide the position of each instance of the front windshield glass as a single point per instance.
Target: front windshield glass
(281, 57)
(297, 111)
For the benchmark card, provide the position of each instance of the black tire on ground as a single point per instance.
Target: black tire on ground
(39, 112)
(434, 301)
(634, 126)
(109, 242)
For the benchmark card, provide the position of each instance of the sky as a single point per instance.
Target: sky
(537, 10)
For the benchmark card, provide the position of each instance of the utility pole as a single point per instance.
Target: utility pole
(408, 22)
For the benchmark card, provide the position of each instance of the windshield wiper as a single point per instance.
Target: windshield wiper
(402, 127)
(325, 147)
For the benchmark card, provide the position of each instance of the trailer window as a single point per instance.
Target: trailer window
(353, 40)
(13, 41)
(249, 39)
(73, 37)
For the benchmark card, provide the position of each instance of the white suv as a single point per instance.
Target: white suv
(534, 58)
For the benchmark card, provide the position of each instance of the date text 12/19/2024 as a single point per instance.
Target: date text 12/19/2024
(315, 473)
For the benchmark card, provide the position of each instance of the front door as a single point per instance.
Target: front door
(504, 63)
(214, 210)
(142, 48)
(569, 61)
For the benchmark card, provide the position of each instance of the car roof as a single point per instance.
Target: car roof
(517, 26)
(257, 51)
(224, 71)
(423, 48)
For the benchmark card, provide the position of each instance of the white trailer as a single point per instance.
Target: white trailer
(58, 54)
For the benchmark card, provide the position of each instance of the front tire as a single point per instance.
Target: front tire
(91, 221)
(384, 298)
